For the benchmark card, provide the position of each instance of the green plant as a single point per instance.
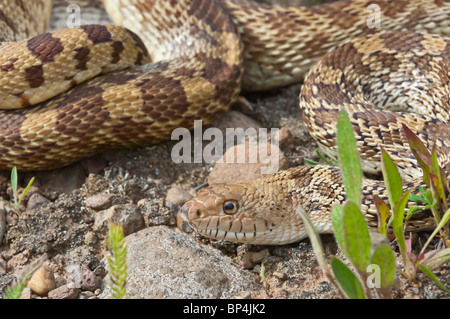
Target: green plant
(323, 158)
(14, 183)
(117, 262)
(349, 223)
(433, 198)
(15, 291)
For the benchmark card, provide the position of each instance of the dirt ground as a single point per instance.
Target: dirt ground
(55, 220)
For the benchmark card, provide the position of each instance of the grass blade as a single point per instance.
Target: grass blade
(25, 191)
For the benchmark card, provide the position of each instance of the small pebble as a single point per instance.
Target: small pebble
(26, 293)
(250, 259)
(64, 292)
(42, 281)
(279, 275)
(177, 196)
(99, 202)
(89, 238)
(36, 201)
(80, 276)
(127, 215)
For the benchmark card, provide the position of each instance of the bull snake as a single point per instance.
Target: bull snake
(203, 51)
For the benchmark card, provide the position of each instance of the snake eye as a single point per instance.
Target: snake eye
(230, 207)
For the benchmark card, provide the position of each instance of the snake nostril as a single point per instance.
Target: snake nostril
(196, 213)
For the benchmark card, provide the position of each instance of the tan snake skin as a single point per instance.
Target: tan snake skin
(197, 70)
(198, 78)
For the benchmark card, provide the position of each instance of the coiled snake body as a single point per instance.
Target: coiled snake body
(202, 52)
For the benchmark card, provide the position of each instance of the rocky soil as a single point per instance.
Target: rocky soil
(64, 219)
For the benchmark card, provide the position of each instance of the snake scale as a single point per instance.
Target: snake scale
(202, 53)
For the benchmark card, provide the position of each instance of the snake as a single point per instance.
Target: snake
(383, 80)
(68, 94)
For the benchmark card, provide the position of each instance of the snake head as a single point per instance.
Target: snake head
(236, 213)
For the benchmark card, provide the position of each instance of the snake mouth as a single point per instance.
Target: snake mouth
(183, 219)
(230, 236)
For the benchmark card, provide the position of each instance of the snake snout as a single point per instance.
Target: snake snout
(183, 218)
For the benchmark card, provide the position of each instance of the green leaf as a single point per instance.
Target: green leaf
(413, 210)
(348, 281)
(425, 192)
(25, 191)
(392, 178)
(430, 275)
(420, 152)
(385, 259)
(399, 212)
(349, 160)
(336, 220)
(323, 158)
(383, 213)
(356, 237)
(437, 172)
(311, 162)
(441, 224)
(14, 185)
(417, 199)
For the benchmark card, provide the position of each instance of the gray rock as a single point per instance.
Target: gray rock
(36, 201)
(166, 263)
(177, 196)
(80, 276)
(127, 215)
(99, 201)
